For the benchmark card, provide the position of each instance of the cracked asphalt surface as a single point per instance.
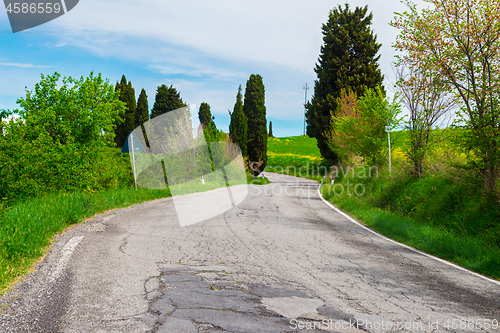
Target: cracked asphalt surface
(282, 261)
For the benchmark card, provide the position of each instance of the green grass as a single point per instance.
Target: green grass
(297, 156)
(27, 229)
(296, 145)
(258, 180)
(434, 230)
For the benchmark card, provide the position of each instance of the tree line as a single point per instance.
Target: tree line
(448, 64)
(248, 124)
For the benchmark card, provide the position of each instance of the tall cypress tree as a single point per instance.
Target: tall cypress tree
(270, 129)
(207, 121)
(142, 110)
(204, 114)
(348, 59)
(127, 95)
(238, 126)
(255, 110)
(167, 99)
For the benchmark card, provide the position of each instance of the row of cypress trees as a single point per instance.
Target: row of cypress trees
(248, 126)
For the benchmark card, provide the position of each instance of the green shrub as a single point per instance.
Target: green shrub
(62, 140)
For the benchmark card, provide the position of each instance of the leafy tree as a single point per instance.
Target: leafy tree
(459, 42)
(238, 126)
(167, 99)
(348, 59)
(3, 115)
(207, 121)
(81, 111)
(270, 129)
(360, 125)
(255, 111)
(126, 124)
(63, 139)
(426, 103)
(142, 110)
(204, 114)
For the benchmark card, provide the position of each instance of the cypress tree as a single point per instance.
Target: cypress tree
(255, 110)
(207, 121)
(205, 115)
(167, 99)
(238, 126)
(142, 111)
(270, 129)
(348, 59)
(127, 123)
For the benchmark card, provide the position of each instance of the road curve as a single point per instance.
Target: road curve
(281, 261)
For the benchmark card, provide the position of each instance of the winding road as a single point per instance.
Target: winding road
(281, 261)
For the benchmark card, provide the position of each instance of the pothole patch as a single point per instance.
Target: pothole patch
(293, 307)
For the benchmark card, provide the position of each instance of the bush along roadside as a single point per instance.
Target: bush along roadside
(441, 214)
(28, 228)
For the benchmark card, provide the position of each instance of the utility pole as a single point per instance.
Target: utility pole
(133, 158)
(388, 130)
(305, 102)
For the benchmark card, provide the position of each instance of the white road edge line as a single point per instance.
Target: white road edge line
(404, 245)
(66, 253)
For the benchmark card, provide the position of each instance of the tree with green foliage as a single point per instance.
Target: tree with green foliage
(270, 129)
(348, 59)
(238, 125)
(204, 115)
(207, 121)
(63, 139)
(459, 42)
(3, 115)
(167, 99)
(360, 125)
(255, 111)
(81, 111)
(142, 110)
(126, 124)
(427, 103)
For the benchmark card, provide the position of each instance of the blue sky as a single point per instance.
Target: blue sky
(204, 48)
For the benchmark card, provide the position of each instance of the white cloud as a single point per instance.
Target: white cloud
(268, 32)
(196, 70)
(15, 64)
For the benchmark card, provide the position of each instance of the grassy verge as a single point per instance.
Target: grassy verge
(437, 214)
(27, 229)
(445, 213)
(258, 180)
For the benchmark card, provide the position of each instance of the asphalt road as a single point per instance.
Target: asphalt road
(281, 261)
